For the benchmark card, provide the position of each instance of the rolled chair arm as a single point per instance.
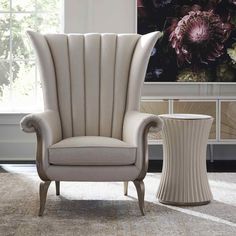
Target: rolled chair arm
(136, 122)
(135, 130)
(47, 126)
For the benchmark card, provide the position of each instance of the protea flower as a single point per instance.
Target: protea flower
(199, 36)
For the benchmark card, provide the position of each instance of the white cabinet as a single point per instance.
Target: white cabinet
(222, 109)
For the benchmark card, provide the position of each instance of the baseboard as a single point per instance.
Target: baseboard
(17, 162)
(216, 166)
(155, 166)
(14, 159)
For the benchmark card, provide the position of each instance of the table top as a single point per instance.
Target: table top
(185, 116)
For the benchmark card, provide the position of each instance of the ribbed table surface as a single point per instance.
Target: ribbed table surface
(185, 116)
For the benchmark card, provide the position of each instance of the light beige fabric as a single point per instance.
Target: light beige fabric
(133, 132)
(138, 68)
(184, 175)
(91, 150)
(47, 125)
(92, 85)
(102, 80)
(93, 173)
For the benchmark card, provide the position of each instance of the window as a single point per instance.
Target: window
(20, 88)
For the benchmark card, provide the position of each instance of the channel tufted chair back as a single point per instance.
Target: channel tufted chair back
(89, 79)
(91, 129)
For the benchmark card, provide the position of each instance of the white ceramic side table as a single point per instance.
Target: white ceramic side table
(184, 176)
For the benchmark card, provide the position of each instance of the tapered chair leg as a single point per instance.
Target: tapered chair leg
(57, 187)
(139, 184)
(43, 189)
(126, 188)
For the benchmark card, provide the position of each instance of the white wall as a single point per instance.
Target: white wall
(113, 16)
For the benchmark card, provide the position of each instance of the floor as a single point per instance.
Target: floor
(102, 209)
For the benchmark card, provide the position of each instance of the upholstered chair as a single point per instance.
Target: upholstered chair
(91, 128)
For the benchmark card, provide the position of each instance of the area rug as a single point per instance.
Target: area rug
(102, 209)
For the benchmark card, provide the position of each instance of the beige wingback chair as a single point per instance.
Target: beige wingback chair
(91, 129)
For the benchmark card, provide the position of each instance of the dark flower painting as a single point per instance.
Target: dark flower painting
(198, 42)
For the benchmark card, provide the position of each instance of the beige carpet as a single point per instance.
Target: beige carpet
(101, 209)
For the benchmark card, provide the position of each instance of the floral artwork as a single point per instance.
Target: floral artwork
(199, 40)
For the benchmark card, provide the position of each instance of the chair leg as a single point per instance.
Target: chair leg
(57, 187)
(126, 188)
(139, 184)
(43, 189)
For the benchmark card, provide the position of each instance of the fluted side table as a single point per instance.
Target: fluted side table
(184, 176)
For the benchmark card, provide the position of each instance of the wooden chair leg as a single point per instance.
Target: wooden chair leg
(126, 188)
(139, 184)
(43, 189)
(57, 187)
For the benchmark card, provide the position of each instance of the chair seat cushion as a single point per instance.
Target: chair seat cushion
(92, 151)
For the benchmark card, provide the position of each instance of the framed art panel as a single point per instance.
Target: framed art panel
(199, 40)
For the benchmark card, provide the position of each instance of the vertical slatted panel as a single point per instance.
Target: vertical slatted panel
(108, 54)
(59, 48)
(92, 73)
(124, 53)
(76, 52)
(92, 83)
